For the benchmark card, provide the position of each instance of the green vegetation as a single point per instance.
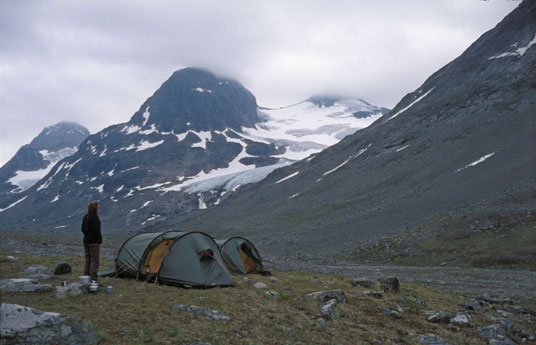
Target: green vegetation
(141, 312)
(510, 248)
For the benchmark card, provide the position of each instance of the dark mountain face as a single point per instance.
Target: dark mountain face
(460, 148)
(193, 99)
(31, 161)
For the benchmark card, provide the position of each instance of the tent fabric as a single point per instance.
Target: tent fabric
(187, 258)
(240, 256)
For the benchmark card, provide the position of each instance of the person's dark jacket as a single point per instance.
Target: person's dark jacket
(91, 229)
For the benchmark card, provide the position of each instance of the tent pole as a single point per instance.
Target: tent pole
(156, 281)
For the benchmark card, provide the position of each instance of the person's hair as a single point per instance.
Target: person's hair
(92, 207)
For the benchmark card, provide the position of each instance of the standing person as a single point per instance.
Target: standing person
(91, 228)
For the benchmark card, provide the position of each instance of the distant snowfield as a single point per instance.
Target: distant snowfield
(303, 129)
(306, 128)
(26, 179)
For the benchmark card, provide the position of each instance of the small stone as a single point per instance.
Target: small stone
(324, 296)
(37, 270)
(273, 280)
(329, 309)
(39, 276)
(260, 286)
(439, 317)
(322, 322)
(390, 284)
(201, 311)
(375, 294)
(391, 313)
(430, 339)
(63, 268)
(363, 282)
(461, 319)
(272, 294)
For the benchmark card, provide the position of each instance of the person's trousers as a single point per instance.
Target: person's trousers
(91, 266)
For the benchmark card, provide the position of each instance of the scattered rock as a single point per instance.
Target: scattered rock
(514, 309)
(420, 300)
(363, 282)
(25, 325)
(73, 289)
(39, 276)
(375, 294)
(324, 296)
(329, 309)
(474, 305)
(63, 268)
(260, 286)
(461, 319)
(430, 339)
(273, 280)
(495, 299)
(201, 311)
(272, 294)
(322, 322)
(439, 317)
(37, 270)
(10, 257)
(390, 284)
(495, 334)
(23, 285)
(391, 313)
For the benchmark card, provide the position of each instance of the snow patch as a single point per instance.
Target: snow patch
(288, 177)
(402, 148)
(144, 145)
(120, 188)
(409, 106)
(49, 181)
(152, 129)
(478, 161)
(337, 167)
(520, 51)
(13, 204)
(293, 195)
(146, 203)
(199, 89)
(56, 198)
(99, 188)
(130, 129)
(146, 115)
(202, 205)
(204, 136)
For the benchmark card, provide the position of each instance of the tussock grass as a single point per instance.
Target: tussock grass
(141, 313)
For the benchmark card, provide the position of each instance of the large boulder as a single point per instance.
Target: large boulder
(23, 285)
(25, 325)
(63, 268)
(389, 284)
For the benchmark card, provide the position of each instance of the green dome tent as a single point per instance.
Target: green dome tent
(240, 256)
(186, 258)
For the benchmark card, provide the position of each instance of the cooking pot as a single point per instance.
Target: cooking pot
(93, 286)
(83, 279)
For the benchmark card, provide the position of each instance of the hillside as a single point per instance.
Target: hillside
(454, 158)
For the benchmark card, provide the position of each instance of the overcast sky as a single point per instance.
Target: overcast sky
(95, 62)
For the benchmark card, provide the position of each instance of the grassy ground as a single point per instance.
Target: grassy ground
(509, 248)
(141, 313)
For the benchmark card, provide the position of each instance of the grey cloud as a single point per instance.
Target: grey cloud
(95, 62)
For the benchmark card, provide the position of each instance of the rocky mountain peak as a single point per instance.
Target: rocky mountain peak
(195, 99)
(60, 135)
